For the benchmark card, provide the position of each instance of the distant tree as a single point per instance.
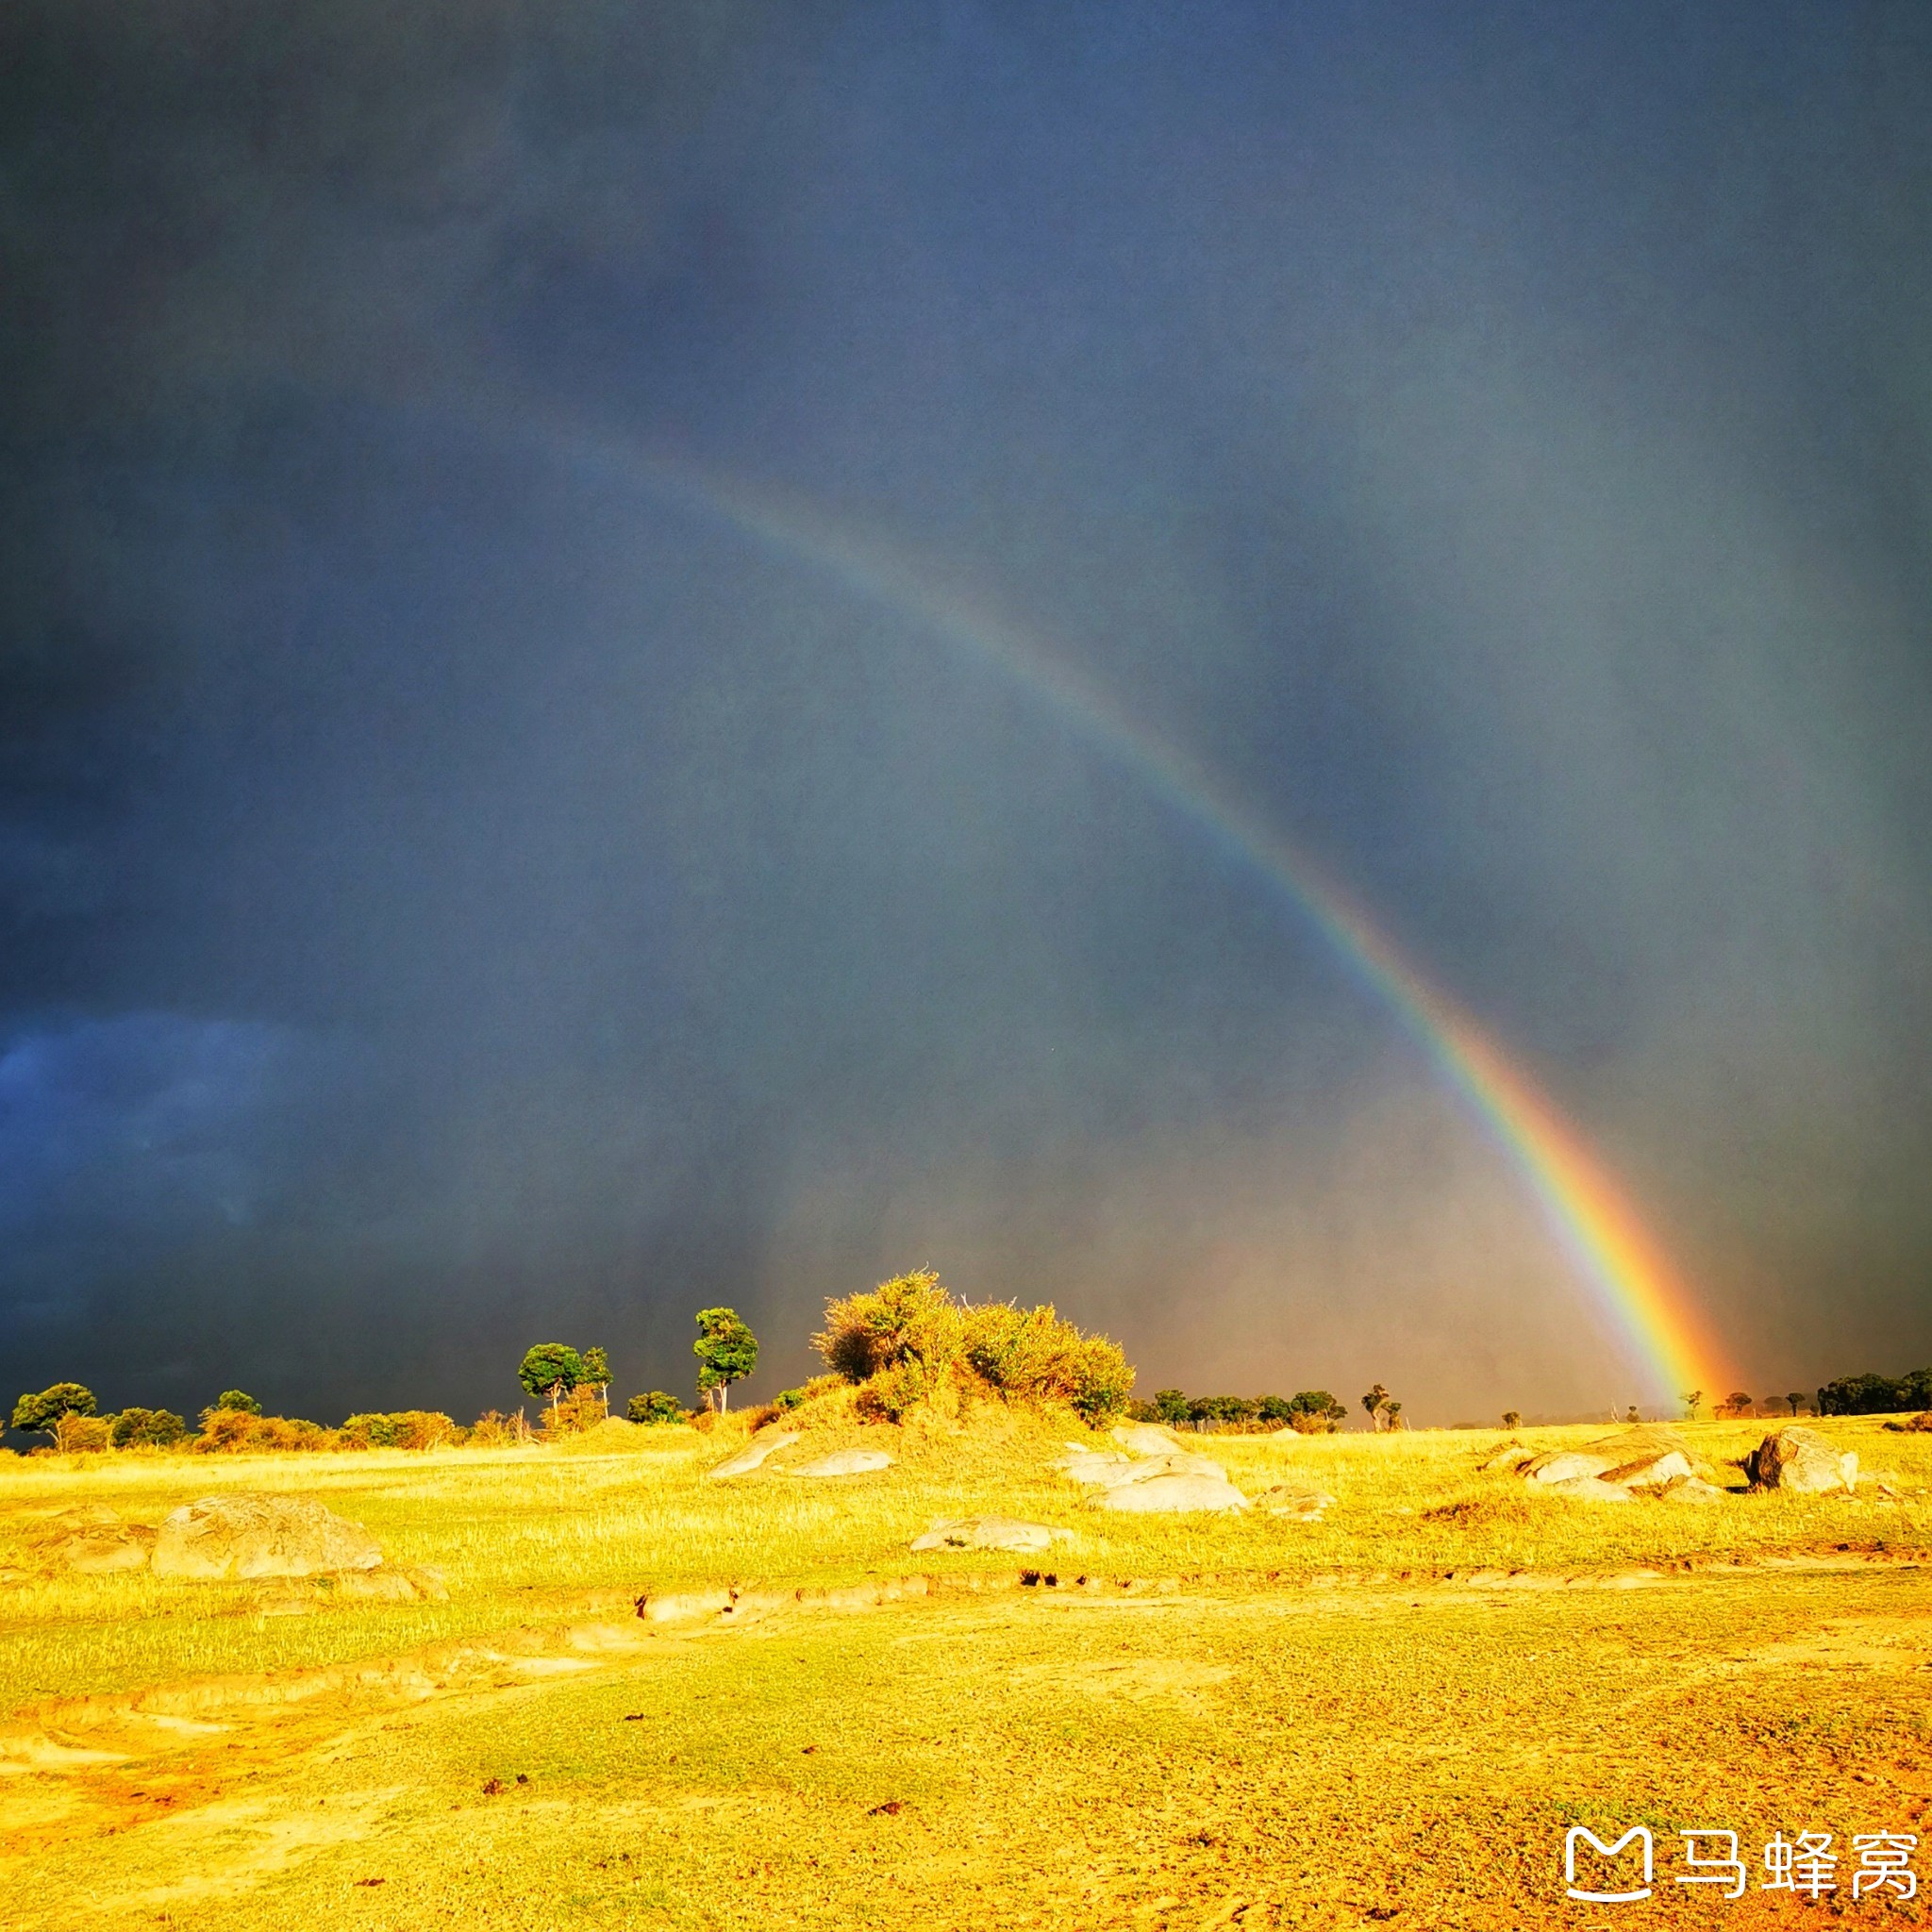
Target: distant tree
(1273, 1410)
(597, 1366)
(1315, 1412)
(1377, 1401)
(1393, 1414)
(654, 1408)
(1738, 1402)
(1512, 1419)
(1691, 1399)
(551, 1369)
(43, 1413)
(237, 1399)
(158, 1428)
(726, 1350)
(1630, 1414)
(1170, 1407)
(1796, 1400)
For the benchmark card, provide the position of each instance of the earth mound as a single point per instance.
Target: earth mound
(260, 1535)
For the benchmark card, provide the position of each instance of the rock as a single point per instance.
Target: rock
(989, 1533)
(1802, 1461)
(1691, 1489)
(1565, 1465)
(1177, 1462)
(260, 1535)
(1591, 1488)
(1101, 1472)
(1162, 1493)
(1303, 1505)
(749, 1457)
(1146, 1438)
(1653, 1473)
(104, 1550)
(845, 1463)
(1512, 1455)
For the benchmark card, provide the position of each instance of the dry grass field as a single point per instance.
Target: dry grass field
(1389, 1716)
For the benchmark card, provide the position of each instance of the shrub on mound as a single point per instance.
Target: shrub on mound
(908, 1341)
(408, 1429)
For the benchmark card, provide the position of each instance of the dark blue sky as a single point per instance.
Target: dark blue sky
(452, 896)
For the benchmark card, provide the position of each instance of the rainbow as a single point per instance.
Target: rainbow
(1626, 1275)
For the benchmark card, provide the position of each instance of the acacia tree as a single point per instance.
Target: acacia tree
(1377, 1401)
(726, 1350)
(597, 1366)
(1512, 1418)
(1795, 1399)
(43, 1413)
(1738, 1402)
(551, 1368)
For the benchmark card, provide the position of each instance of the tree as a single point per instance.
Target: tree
(726, 1350)
(551, 1368)
(597, 1369)
(1738, 1402)
(1796, 1399)
(42, 1413)
(1315, 1412)
(1375, 1401)
(158, 1428)
(239, 1400)
(654, 1407)
(1393, 1412)
(1630, 1414)
(1512, 1418)
(1691, 1399)
(1170, 1407)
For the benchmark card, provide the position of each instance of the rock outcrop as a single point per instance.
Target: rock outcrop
(844, 1462)
(990, 1533)
(753, 1456)
(1146, 1438)
(260, 1535)
(1162, 1493)
(1802, 1461)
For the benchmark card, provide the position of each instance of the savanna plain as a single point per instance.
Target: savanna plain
(652, 1700)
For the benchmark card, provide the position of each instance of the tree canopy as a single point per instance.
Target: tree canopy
(551, 1368)
(43, 1413)
(726, 1350)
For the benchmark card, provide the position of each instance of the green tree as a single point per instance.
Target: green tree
(1309, 1406)
(551, 1368)
(597, 1369)
(654, 1407)
(238, 1400)
(1690, 1398)
(42, 1413)
(1170, 1407)
(158, 1428)
(1376, 1402)
(726, 1350)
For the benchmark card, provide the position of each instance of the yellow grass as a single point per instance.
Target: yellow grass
(1273, 1721)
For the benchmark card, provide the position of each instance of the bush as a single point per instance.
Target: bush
(234, 1431)
(908, 1338)
(407, 1429)
(238, 1400)
(146, 1429)
(491, 1429)
(653, 1409)
(908, 1319)
(76, 1434)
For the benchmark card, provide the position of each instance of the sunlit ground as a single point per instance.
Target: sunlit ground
(1250, 1722)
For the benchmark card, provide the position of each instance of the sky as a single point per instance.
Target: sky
(463, 884)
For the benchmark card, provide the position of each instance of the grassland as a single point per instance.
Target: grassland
(1394, 1712)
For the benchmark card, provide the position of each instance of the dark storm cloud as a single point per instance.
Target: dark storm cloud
(451, 893)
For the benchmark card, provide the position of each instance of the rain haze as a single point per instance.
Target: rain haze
(466, 879)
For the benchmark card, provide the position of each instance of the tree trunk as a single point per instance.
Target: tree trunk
(724, 1397)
